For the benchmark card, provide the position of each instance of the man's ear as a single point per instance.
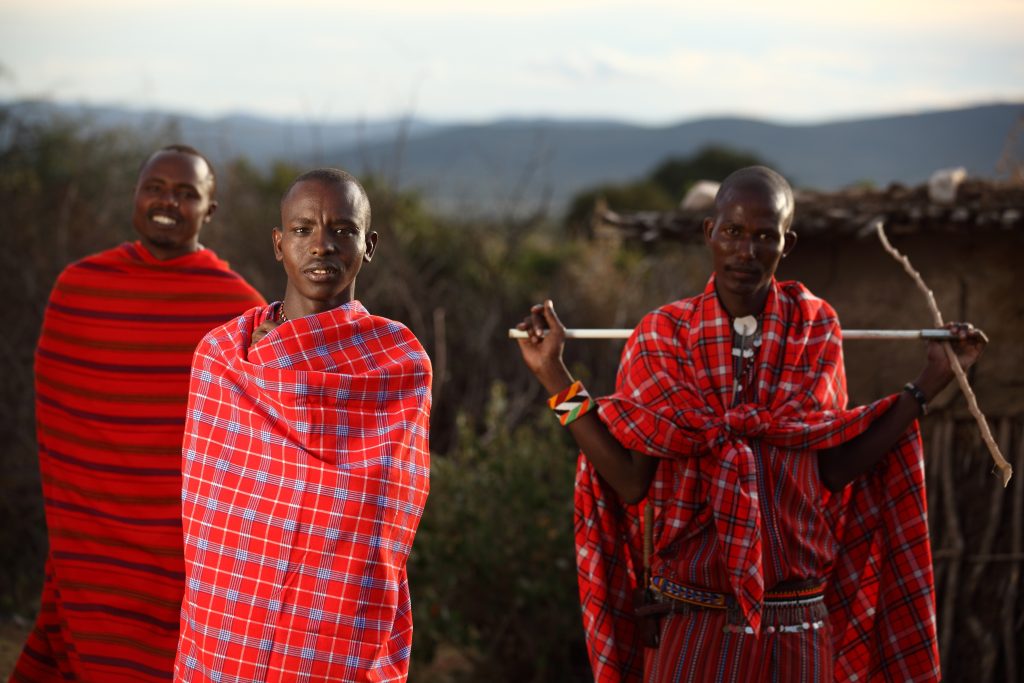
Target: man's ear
(210, 211)
(709, 227)
(371, 246)
(789, 242)
(276, 236)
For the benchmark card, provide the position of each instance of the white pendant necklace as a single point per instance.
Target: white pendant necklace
(748, 330)
(745, 326)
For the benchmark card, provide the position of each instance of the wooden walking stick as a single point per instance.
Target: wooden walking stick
(645, 606)
(1005, 469)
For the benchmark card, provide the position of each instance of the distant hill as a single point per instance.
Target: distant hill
(467, 164)
(261, 140)
(524, 164)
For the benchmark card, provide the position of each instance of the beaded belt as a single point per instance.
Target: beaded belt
(799, 596)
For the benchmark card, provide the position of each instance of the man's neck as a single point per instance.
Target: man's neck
(168, 253)
(740, 306)
(296, 306)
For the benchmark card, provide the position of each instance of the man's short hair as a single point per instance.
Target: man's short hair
(760, 177)
(334, 176)
(186, 149)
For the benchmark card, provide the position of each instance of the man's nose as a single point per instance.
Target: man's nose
(168, 196)
(323, 242)
(745, 247)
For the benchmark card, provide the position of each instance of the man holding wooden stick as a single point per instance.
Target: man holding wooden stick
(790, 537)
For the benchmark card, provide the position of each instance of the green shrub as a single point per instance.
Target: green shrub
(492, 570)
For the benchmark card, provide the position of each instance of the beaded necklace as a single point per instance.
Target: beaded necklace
(746, 342)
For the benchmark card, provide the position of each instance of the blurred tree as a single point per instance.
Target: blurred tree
(661, 189)
(642, 195)
(249, 208)
(676, 175)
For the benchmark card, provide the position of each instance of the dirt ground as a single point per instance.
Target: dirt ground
(13, 631)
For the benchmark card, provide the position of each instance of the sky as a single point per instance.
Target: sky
(643, 61)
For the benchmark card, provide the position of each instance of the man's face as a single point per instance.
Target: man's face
(173, 200)
(323, 241)
(748, 236)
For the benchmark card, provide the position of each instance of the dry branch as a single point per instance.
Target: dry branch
(1005, 469)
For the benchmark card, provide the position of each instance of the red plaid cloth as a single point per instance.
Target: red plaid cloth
(111, 380)
(672, 401)
(306, 469)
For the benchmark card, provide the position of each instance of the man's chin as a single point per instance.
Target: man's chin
(157, 239)
(165, 246)
(745, 287)
(161, 242)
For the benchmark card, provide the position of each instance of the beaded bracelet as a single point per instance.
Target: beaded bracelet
(918, 395)
(571, 403)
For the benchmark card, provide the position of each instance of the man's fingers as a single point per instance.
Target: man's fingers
(542, 323)
(537, 322)
(551, 317)
(967, 333)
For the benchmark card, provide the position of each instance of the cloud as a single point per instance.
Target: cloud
(450, 59)
(590, 65)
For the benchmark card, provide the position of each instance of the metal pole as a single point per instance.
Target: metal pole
(598, 333)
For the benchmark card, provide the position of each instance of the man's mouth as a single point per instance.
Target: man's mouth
(743, 272)
(321, 272)
(163, 219)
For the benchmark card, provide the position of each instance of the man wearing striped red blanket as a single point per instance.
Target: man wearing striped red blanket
(790, 538)
(111, 382)
(306, 467)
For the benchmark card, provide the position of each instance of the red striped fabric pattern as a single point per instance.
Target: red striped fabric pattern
(715, 653)
(111, 383)
(306, 469)
(671, 401)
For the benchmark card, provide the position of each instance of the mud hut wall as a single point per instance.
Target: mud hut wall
(975, 276)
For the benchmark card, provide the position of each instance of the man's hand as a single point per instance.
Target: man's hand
(542, 349)
(839, 466)
(262, 331)
(628, 472)
(968, 346)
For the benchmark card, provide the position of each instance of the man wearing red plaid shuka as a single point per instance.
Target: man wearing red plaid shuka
(306, 467)
(790, 537)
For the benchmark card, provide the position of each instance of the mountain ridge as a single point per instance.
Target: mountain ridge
(540, 163)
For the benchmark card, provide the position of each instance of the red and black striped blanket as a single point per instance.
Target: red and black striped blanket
(111, 383)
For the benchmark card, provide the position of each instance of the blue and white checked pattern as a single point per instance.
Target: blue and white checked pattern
(306, 468)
